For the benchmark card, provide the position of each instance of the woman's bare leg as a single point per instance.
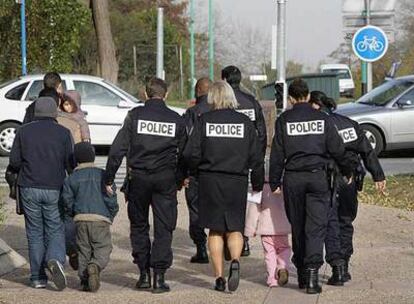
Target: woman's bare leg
(216, 245)
(235, 244)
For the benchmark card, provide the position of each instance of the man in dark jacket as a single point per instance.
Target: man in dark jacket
(52, 87)
(86, 200)
(42, 154)
(249, 106)
(191, 117)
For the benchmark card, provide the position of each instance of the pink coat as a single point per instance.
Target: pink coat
(267, 218)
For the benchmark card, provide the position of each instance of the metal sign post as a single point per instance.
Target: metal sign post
(160, 43)
(281, 49)
(23, 35)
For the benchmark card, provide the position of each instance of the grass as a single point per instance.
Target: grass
(3, 195)
(399, 193)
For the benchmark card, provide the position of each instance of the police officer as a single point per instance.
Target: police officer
(249, 106)
(152, 138)
(191, 116)
(338, 241)
(303, 142)
(223, 147)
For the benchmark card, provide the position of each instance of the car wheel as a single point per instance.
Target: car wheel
(374, 137)
(7, 134)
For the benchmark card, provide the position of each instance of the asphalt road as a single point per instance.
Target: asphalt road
(393, 164)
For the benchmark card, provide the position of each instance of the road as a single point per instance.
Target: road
(391, 163)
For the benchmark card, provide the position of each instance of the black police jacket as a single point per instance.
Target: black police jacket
(225, 141)
(152, 137)
(357, 144)
(305, 139)
(192, 114)
(249, 106)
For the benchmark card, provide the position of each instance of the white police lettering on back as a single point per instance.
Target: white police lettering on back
(156, 128)
(225, 130)
(313, 127)
(348, 135)
(249, 113)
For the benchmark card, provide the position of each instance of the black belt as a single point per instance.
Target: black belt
(311, 170)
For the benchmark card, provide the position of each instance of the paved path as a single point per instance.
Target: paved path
(382, 269)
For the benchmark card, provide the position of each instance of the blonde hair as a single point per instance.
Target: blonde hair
(221, 96)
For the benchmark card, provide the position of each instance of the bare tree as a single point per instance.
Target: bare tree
(108, 64)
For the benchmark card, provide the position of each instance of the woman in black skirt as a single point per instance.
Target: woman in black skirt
(223, 146)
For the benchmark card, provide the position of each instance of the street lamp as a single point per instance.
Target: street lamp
(281, 49)
(211, 39)
(23, 34)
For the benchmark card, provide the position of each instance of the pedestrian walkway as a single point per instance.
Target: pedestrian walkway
(382, 269)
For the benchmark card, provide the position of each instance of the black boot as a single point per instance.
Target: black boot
(201, 257)
(144, 281)
(159, 284)
(246, 247)
(301, 278)
(347, 276)
(337, 278)
(312, 281)
(220, 284)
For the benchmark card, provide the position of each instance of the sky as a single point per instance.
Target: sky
(314, 26)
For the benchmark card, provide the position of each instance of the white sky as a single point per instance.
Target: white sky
(314, 26)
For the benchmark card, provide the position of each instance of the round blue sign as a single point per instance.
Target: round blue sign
(370, 43)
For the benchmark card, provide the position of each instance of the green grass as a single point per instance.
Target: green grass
(178, 103)
(4, 192)
(399, 193)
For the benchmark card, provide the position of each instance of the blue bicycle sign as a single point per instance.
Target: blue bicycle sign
(370, 43)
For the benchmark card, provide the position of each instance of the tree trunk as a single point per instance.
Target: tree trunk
(106, 48)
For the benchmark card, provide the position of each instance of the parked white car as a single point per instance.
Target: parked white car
(346, 82)
(104, 104)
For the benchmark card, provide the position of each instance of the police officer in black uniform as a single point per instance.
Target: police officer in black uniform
(222, 148)
(191, 117)
(152, 138)
(249, 106)
(304, 141)
(338, 241)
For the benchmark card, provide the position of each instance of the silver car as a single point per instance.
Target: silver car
(386, 114)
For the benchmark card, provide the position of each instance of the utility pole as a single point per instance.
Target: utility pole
(180, 56)
(369, 64)
(192, 51)
(23, 35)
(134, 54)
(211, 39)
(160, 43)
(281, 48)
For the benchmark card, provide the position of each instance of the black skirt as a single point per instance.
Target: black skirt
(222, 201)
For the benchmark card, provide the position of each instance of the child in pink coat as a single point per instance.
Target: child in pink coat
(268, 219)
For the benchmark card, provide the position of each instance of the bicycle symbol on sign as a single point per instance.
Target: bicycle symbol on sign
(372, 44)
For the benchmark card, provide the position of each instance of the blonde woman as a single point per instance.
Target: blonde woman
(223, 146)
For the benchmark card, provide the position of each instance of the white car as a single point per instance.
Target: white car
(104, 104)
(346, 82)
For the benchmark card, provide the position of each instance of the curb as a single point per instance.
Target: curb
(9, 259)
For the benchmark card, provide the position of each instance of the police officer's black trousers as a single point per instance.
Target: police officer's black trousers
(347, 212)
(333, 240)
(160, 191)
(307, 202)
(197, 233)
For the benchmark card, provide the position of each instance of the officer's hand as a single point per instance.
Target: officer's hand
(380, 186)
(277, 191)
(109, 190)
(349, 180)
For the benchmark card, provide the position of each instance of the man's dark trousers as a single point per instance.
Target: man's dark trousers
(159, 190)
(347, 212)
(307, 202)
(333, 242)
(197, 233)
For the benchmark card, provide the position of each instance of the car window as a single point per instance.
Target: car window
(386, 92)
(408, 97)
(17, 92)
(96, 94)
(36, 87)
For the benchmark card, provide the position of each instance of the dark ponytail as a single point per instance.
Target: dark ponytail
(320, 98)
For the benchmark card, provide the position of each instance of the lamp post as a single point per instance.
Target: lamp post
(160, 43)
(281, 49)
(23, 34)
(192, 50)
(211, 39)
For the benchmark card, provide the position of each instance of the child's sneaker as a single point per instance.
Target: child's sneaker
(282, 277)
(93, 277)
